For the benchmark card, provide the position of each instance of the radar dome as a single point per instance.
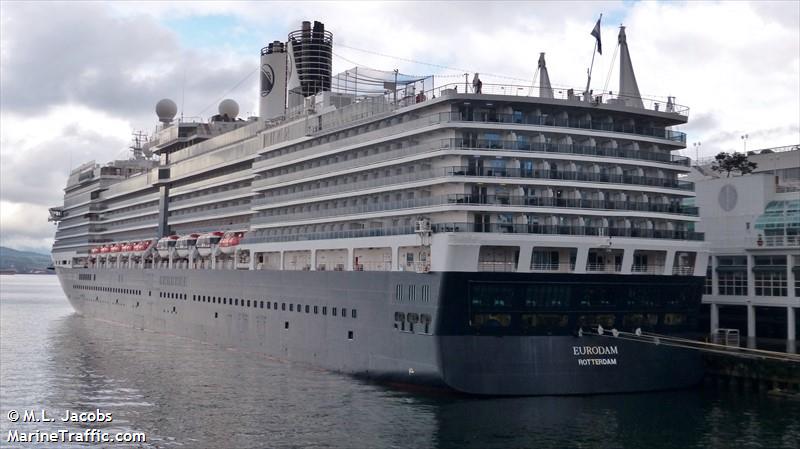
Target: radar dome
(166, 110)
(229, 107)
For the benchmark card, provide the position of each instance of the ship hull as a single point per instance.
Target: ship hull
(289, 315)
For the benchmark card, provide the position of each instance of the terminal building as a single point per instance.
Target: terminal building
(752, 226)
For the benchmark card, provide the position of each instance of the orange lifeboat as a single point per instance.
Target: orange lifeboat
(140, 247)
(115, 248)
(105, 249)
(126, 248)
(230, 241)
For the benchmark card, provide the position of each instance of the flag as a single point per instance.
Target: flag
(596, 33)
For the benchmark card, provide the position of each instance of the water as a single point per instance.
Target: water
(186, 394)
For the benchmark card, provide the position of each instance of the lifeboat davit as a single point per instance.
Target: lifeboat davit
(206, 241)
(230, 241)
(164, 244)
(185, 244)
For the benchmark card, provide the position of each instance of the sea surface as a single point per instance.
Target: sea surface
(186, 394)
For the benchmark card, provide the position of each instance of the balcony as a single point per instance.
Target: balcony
(545, 120)
(583, 150)
(775, 241)
(492, 200)
(503, 228)
(650, 181)
(385, 181)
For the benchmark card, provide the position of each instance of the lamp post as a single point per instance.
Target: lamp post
(696, 147)
(744, 140)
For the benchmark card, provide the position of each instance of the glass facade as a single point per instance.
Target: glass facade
(561, 309)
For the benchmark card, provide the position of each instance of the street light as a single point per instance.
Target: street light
(696, 147)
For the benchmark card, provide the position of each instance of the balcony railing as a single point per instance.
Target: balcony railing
(549, 120)
(566, 175)
(493, 200)
(467, 144)
(563, 148)
(252, 238)
(568, 230)
(770, 241)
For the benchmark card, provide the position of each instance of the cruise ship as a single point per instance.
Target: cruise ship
(487, 239)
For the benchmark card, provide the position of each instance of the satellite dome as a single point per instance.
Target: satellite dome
(229, 107)
(166, 110)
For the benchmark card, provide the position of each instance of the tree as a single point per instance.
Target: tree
(735, 162)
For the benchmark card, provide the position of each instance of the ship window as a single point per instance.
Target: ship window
(275, 305)
(173, 308)
(262, 304)
(248, 302)
(333, 311)
(286, 325)
(349, 335)
(674, 319)
(308, 309)
(216, 315)
(544, 322)
(491, 320)
(344, 312)
(316, 310)
(291, 307)
(324, 310)
(236, 301)
(592, 321)
(299, 308)
(283, 306)
(353, 313)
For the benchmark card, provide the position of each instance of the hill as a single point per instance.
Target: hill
(23, 261)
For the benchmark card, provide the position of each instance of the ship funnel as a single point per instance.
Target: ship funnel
(628, 89)
(272, 99)
(545, 90)
(166, 110)
(310, 61)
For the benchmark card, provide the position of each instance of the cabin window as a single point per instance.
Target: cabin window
(308, 309)
(349, 335)
(286, 325)
(291, 307)
(316, 310)
(353, 313)
(248, 302)
(324, 310)
(344, 312)
(333, 311)
(262, 304)
(283, 306)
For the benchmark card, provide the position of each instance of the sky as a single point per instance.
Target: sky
(77, 78)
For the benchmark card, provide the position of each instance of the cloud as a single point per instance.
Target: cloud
(77, 78)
